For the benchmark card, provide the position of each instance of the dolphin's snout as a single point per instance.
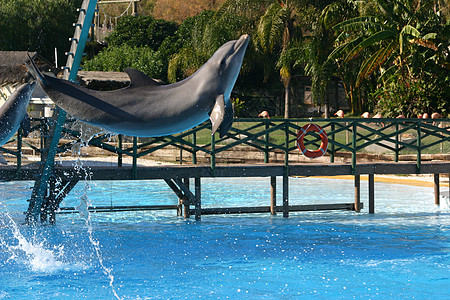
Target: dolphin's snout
(242, 41)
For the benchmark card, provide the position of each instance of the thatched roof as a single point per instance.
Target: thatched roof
(103, 80)
(13, 66)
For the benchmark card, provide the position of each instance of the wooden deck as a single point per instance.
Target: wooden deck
(178, 178)
(9, 173)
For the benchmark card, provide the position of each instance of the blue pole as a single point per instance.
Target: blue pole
(71, 70)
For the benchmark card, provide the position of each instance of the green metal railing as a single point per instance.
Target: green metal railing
(407, 136)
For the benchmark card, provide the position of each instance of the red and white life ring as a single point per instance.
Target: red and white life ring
(323, 136)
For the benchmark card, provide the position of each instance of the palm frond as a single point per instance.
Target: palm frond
(374, 62)
(357, 23)
(371, 40)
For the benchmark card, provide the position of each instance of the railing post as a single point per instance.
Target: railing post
(419, 146)
(396, 142)
(266, 147)
(194, 152)
(333, 139)
(120, 145)
(354, 147)
(134, 167)
(213, 153)
(19, 152)
(286, 143)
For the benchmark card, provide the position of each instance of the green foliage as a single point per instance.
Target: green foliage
(117, 58)
(198, 38)
(140, 31)
(37, 25)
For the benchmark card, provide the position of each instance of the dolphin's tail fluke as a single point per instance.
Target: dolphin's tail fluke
(35, 72)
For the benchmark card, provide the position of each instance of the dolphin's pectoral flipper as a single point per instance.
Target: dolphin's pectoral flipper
(228, 119)
(218, 113)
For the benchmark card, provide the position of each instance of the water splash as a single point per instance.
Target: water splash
(83, 206)
(31, 251)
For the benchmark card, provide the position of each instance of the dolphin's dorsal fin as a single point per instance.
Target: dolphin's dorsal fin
(218, 113)
(140, 79)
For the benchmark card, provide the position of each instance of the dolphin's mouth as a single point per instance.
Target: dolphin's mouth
(241, 42)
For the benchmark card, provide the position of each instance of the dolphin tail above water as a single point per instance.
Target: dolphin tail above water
(14, 111)
(148, 109)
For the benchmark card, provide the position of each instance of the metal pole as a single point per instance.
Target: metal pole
(72, 66)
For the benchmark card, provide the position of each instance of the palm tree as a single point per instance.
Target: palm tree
(384, 41)
(278, 29)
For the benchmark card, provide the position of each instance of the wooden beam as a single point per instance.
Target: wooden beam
(266, 209)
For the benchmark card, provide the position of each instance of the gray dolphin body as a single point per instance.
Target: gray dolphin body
(14, 111)
(146, 108)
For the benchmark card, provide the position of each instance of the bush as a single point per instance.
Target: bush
(144, 59)
(141, 31)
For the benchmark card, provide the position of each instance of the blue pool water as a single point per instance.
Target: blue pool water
(401, 252)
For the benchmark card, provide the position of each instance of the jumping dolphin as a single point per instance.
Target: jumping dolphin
(146, 108)
(14, 111)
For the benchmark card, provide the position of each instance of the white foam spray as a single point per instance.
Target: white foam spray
(83, 209)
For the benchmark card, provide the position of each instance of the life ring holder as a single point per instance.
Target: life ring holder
(323, 137)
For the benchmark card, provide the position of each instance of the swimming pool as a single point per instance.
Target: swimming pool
(402, 251)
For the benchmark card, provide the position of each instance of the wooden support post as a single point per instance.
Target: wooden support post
(436, 189)
(134, 167)
(198, 199)
(185, 201)
(357, 192)
(285, 195)
(371, 194)
(273, 195)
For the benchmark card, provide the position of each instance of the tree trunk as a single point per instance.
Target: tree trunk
(287, 83)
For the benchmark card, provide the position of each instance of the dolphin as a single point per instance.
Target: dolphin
(147, 108)
(14, 111)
